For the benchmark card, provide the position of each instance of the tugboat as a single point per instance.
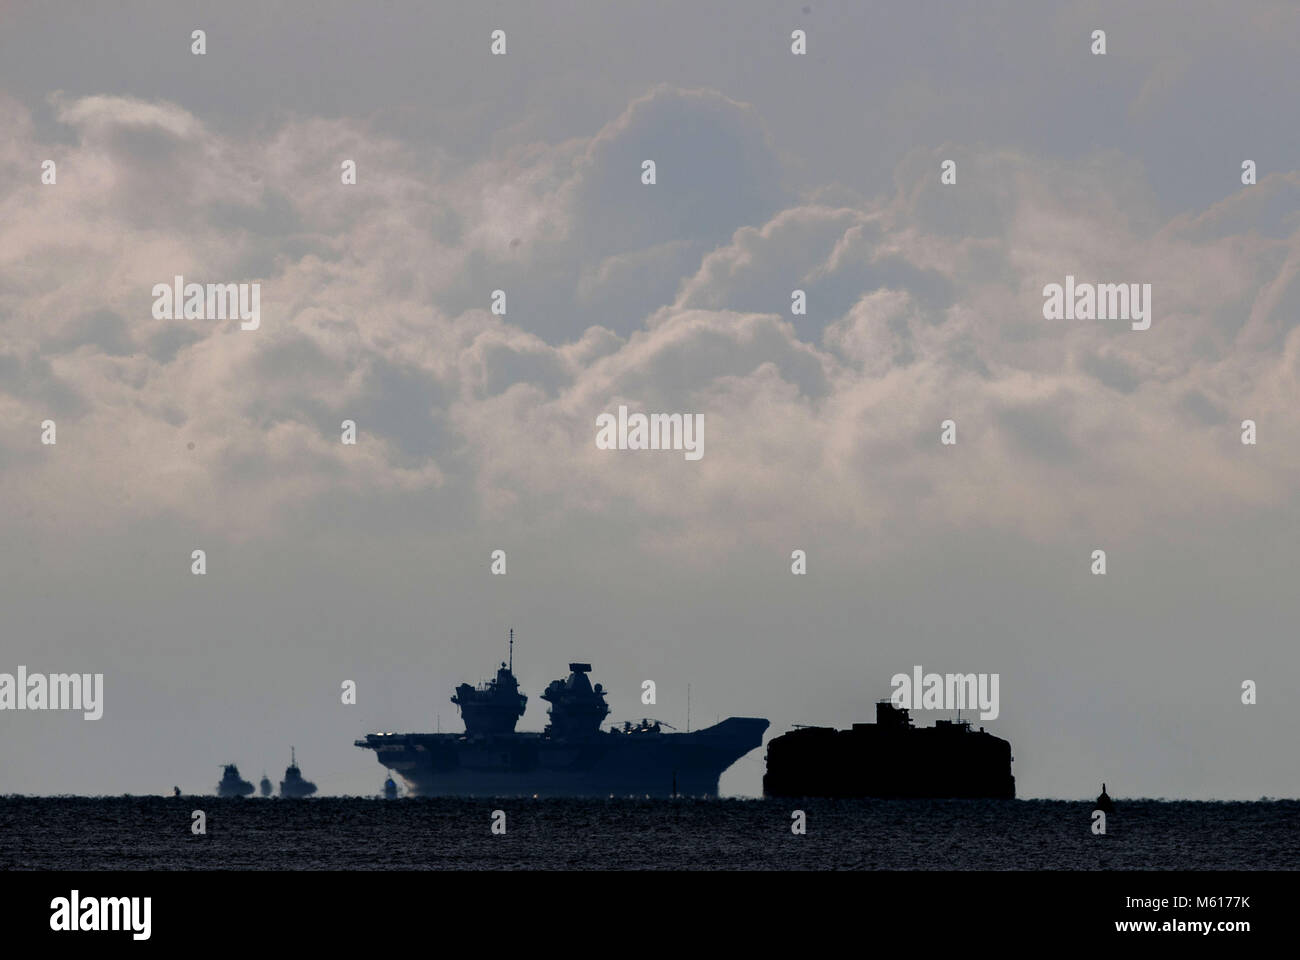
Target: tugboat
(232, 785)
(890, 758)
(1104, 802)
(293, 784)
(571, 757)
(265, 784)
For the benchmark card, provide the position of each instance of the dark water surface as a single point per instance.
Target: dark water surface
(101, 833)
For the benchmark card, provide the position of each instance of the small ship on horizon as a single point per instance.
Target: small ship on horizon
(571, 757)
(294, 786)
(232, 784)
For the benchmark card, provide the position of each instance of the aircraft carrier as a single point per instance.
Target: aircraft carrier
(572, 757)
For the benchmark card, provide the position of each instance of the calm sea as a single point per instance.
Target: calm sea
(101, 833)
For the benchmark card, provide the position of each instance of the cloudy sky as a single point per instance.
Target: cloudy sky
(522, 172)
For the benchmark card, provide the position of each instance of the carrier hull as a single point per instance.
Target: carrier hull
(534, 764)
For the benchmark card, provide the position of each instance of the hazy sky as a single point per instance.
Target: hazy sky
(522, 172)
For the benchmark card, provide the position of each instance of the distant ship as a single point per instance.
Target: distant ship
(390, 788)
(265, 785)
(572, 757)
(890, 758)
(232, 785)
(293, 785)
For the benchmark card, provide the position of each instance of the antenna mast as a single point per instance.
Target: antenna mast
(688, 708)
(512, 649)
